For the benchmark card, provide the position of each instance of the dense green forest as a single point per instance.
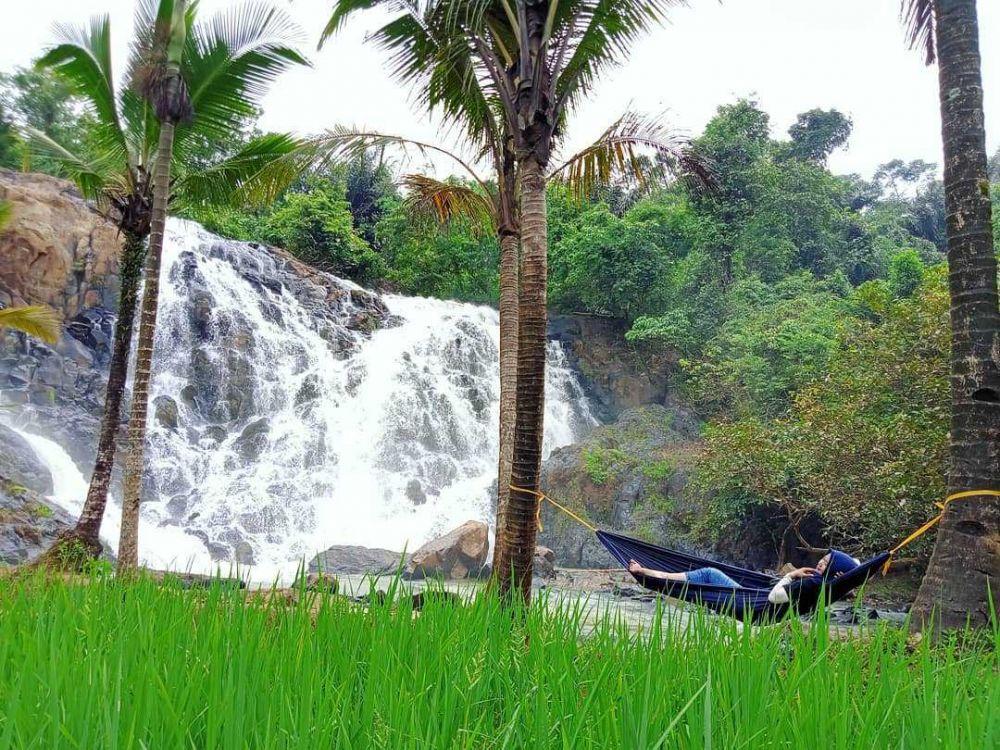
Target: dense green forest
(809, 309)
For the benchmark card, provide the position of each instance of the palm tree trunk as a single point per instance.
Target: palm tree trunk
(964, 571)
(73, 547)
(520, 527)
(509, 261)
(128, 545)
(88, 526)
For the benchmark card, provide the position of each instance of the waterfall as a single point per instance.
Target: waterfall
(294, 411)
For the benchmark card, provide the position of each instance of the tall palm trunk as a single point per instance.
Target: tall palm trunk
(509, 233)
(520, 527)
(83, 542)
(128, 544)
(168, 94)
(88, 526)
(509, 262)
(964, 571)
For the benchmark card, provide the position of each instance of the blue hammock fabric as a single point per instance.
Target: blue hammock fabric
(749, 602)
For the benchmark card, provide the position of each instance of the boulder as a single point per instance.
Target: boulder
(322, 583)
(355, 560)
(165, 412)
(459, 554)
(544, 565)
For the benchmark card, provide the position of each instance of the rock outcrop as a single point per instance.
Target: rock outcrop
(616, 374)
(632, 477)
(28, 523)
(346, 559)
(57, 250)
(459, 554)
(626, 476)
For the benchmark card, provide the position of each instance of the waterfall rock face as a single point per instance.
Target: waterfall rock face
(290, 410)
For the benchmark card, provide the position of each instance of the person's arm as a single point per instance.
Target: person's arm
(779, 594)
(636, 569)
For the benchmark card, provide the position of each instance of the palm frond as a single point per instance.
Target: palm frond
(82, 60)
(343, 9)
(92, 176)
(35, 320)
(254, 175)
(447, 202)
(589, 36)
(230, 63)
(619, 154)
(342, 143)
(429, 53)
(918, 17)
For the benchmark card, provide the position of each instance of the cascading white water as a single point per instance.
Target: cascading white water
(288, 432)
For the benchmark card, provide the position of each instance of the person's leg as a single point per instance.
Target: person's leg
(712, 577)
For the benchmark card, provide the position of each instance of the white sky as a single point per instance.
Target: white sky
(793, 55)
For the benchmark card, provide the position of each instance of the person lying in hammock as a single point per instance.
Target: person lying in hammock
(835, 563)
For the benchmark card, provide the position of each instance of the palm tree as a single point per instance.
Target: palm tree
(165, 89)
(616, 154)
(528, 62)
(35, 320)
(228, 64)
(964, 571)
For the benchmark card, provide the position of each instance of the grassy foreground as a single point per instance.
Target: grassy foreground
(146, 665)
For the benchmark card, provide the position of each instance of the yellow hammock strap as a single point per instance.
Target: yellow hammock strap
(934, 521)
(563, 508)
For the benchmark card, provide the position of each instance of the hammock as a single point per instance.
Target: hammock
(749, 602)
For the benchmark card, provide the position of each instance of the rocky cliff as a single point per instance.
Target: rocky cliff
(58, 250)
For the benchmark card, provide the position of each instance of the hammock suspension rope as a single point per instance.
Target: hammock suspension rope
(963, 495)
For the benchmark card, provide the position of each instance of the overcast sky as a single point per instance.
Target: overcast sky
(792, 55)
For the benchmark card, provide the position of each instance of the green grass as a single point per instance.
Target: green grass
(111, 665)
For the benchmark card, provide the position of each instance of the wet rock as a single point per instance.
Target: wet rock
(415, 492)
(616, 374)
(165, 412)
(28, 523)
(308, 391)
(252, 441)
(355, 560)
(544, 563)
(20, 465)
(459, 554)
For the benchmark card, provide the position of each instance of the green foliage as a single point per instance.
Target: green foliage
(623, 266)
(777, 339)
(862, 448)
(602, 463)
(40, 100)
(817, 133)
(317, 227)
(228, 669)
(906, 271)
(452, 262)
